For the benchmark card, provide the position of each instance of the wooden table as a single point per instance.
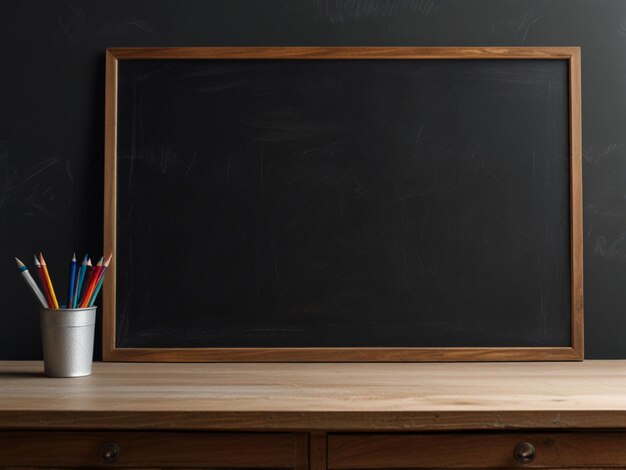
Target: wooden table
(318, 416)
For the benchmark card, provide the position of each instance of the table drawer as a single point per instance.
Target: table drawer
(153, 449)
(479, 450)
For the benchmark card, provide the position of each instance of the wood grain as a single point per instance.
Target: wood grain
(441, 354)
(480, 450)
(318, 397)
(153, 449)
(576, 203)
(345, 53)
(110, 204)
(300, 451)
(317, 451)
(341, 354)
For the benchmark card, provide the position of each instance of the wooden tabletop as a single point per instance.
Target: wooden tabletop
(334, 397)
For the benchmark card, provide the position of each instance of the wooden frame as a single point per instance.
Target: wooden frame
(574, 352)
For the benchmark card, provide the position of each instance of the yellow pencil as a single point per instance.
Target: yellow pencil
(48, 281)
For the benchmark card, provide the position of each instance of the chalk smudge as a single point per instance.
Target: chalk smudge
(338, 11)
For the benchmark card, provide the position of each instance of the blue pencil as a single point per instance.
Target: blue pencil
(79, 281)
(70, 289)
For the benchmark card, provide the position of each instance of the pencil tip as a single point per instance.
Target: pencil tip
(19, 263)
(74, 257)
(43, 261)
(36, 260)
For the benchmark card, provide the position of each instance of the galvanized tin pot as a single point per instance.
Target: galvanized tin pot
(67, 336)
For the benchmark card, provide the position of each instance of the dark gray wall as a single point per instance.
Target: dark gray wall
(52, 94)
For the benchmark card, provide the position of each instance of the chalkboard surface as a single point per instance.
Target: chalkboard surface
(343, 203)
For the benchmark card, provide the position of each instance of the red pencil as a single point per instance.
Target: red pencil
(96, 282)
(91, 283)
(44, 284)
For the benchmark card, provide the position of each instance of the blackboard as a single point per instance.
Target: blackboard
(351, 204)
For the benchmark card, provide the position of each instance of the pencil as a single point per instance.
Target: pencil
(79, 280)
(55, 303)
(89, 268)
(70, 289)
(44, 284)
(91, 284)
(86, 280)
(100, 281)
(31, 282)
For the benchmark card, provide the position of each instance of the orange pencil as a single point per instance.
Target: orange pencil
(44, 283)
(98, 284)
(55, 304)
(91, 283)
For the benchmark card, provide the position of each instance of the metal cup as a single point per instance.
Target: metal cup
(67, 336)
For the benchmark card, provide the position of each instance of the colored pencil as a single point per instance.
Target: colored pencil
(91, 284)
(44, 284)
(70, 289)
(31, 282)
(55, 303)
(86, 280)
(88, 274)
(79, 281)
(100, 281)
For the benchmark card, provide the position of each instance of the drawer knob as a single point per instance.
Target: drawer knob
(110, 452)
(524, 452)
